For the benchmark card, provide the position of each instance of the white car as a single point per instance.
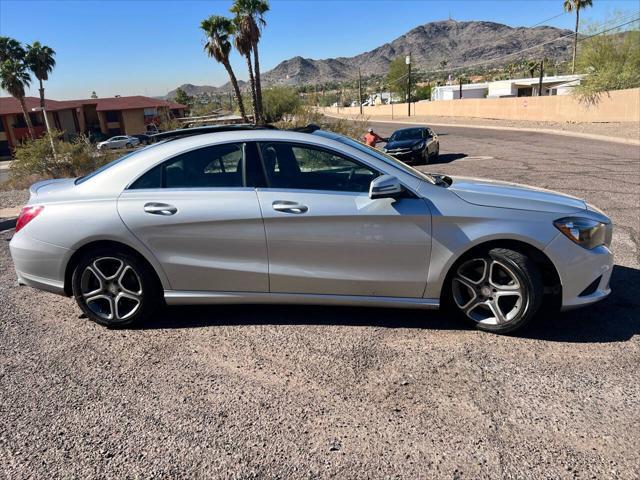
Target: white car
(121, 141)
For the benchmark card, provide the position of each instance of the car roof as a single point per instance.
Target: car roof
(411, 128)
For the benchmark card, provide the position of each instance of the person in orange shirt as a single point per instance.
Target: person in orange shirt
(371, 138)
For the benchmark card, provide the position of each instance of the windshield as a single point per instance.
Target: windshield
(407, 134)
(106, 166)
(388, 159)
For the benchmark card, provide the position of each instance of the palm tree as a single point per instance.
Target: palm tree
(570, 6)
(40, 61)
(218, 29)
(14, 77)
(244, 46)
(250, 20)
(10, 49)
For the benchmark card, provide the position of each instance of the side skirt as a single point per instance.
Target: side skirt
(175, 297)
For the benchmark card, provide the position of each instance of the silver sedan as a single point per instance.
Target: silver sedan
(249, 215)
(121, 141)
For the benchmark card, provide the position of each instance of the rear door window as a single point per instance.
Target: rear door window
(207, 167)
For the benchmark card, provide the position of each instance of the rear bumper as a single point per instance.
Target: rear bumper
(584, 274)
(39, 264)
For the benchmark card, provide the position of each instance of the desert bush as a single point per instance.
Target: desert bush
(611, 61)
(279, 102)
(34, 160)
(304, 116)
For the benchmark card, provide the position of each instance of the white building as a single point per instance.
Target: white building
(515, 87)
(452, 92)
(528, 87)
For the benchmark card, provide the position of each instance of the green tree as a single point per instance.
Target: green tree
(612, 63)
(280, 101)
(249, 21)
(423, 93)
(10, 48)
(183, 98)
(14, 78)
(40, 60)
(94, 94)
(218, 29)
(397, 77)
(571, 6)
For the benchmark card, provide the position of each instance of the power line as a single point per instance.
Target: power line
(548, 19)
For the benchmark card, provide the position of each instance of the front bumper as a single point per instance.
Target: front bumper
(584, 274)
(39, 264)
(409, 156)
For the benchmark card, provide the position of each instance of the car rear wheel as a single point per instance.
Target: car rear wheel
(498, 291)
(114, 288)
(129, 145)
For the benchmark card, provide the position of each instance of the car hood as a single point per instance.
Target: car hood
(401, 144)
(512, 195)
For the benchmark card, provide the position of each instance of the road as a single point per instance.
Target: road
(307, 392)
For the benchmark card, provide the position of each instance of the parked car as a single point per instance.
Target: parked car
(121, 141)
(250, 215)
(413, 145)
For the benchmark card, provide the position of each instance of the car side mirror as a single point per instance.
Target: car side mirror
(385, 186)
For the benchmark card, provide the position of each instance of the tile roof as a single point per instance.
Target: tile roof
(10, 105)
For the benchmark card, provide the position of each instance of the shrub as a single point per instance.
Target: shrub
(278, 102)
(612, 62)
(34, 160)
(304, 116)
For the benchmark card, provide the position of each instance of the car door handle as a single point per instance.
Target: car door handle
(159, 208)
(289, 207)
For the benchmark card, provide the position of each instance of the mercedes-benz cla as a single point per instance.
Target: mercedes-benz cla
(249, 215)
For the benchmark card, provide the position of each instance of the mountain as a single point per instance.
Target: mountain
(459, 43)
(191, 89)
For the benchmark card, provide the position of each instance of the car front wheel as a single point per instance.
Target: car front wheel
(499, 291)
(115, 288)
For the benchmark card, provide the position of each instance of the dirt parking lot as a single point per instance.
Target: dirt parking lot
(308, 392)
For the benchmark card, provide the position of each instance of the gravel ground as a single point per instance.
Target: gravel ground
(13, 198)
(308, 392)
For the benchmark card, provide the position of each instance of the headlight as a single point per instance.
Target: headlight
(418, 146)
(585, 232)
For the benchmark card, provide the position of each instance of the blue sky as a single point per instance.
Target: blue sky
(149, 47)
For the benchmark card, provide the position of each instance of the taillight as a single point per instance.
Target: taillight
(27, 214)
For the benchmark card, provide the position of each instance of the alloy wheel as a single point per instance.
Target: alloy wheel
(489, 292)
(111, 289)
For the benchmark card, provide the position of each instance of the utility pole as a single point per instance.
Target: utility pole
(460, 82)
(360, 90)
(408, 61)
(541, 75)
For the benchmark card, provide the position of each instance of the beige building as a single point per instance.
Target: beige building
(103, 117)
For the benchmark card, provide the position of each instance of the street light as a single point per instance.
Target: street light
(46, 122)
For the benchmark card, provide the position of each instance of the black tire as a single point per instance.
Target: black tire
(149, 292)
(513, 266)
(436, 154)
(129, 145)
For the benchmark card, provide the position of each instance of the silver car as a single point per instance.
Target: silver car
(121, 141)
(249, 215)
